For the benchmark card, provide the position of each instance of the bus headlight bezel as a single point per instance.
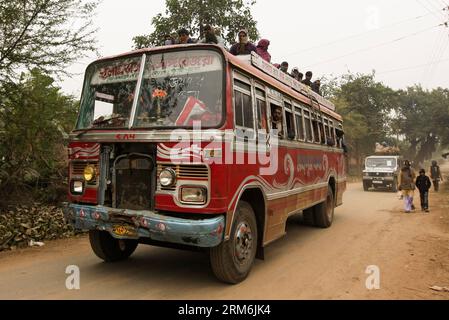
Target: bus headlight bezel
(167, 178)
(77, 187)
(195, 195)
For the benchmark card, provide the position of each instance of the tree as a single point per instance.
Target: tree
(423, 118)
(44, 34)
(228, 15)
(366, 106)
(34, 120)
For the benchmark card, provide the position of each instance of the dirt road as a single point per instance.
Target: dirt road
(411, 252)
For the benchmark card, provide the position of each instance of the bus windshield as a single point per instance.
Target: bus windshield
(381, 163)
(108, 93)
(177, 89)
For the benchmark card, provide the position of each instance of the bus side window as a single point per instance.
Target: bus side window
(332, 135)
(290, 125)
(308, 126)
(299, 124)
(340, 138)
(289, 119)
(261, 107)
(277, 120)
(244, 117)
(316, 130)
(322, 132)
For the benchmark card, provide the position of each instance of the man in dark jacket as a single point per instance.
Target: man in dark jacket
(435, 174)
(423, 184)
(244, 46)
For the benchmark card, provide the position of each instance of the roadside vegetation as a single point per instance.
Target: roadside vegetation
(38, 41)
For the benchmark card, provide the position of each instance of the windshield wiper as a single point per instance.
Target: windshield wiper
(96, 123)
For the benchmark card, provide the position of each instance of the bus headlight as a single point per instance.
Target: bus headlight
(194, 195)
(77, 187)
(167, 177)
(89, 173)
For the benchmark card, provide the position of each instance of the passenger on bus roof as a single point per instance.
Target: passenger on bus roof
(169, 40)
(296, 74)
(284, 67)
(184, 36)
(244, 46)
(210, 37)
(308, 80)
(316, 86)
(278, 121)
(262, 49)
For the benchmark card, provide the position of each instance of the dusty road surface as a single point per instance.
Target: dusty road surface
(411, 252)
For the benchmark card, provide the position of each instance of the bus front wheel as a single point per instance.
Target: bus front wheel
(232, 260)
(110, 249)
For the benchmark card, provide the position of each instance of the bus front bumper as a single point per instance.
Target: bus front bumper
(129, 224)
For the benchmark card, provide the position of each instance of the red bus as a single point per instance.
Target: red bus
(190, 147)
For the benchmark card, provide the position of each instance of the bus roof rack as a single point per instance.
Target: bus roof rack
(286, 79)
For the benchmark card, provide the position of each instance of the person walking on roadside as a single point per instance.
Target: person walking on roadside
(435, 174)
(407, 185)
(423, 184)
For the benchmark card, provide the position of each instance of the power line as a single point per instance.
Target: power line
(439, 42)
(376, 46)
(359, 34)
(413, 67)
(430, 11)
(439, 55)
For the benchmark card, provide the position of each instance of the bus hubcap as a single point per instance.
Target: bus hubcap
(243, 242)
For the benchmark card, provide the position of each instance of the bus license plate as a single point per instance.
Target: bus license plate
(124, 231)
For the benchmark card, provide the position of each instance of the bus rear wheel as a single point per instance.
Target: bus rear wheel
(324, 212)
(232, 260)
(110, 249)
(308, 216)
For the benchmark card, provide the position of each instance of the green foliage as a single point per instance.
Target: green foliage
(35, 118)
(44, 34)
(423, 119)
(416, 120)
(228, 15)
(365, 106)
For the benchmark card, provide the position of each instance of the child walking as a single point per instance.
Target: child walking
(423, 184)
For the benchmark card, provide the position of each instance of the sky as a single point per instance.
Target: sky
(402, 40)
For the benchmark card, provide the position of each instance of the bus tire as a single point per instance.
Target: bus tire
(324, 212)
(110, 249)
(232, 260)
(308, 216)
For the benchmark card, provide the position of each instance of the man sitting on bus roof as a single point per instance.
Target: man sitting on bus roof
(244, 46)
(308, 80)
(296, 74)
(284, 67)
(316, 86)
(184, 37)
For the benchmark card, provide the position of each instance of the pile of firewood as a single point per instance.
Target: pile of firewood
(26, 225)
